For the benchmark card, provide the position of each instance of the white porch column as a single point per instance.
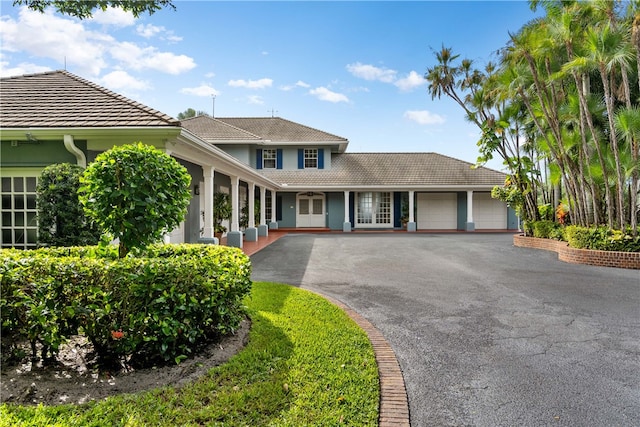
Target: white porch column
(251, 233)
(411, 225)
(209, 173)
(263, 229)
(346, 226)
(234, 237)
(470, 226)
(273, 224)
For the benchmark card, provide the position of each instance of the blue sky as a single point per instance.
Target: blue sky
(354, 69)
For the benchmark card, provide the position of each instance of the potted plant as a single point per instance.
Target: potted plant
(221, 212)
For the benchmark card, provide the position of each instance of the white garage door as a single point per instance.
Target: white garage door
(437, 211)
(489, 213)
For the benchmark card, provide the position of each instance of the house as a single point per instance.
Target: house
(294, 175)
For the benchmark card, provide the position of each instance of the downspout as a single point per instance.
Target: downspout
(71, 147)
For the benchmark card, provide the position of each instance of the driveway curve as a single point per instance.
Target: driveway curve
(486, 334)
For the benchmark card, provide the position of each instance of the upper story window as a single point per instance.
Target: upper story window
(310, 158)
(269, 158)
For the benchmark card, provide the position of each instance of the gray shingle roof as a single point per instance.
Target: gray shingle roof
(276, 129)
(213, 130)
(390, 169)
(61, 99)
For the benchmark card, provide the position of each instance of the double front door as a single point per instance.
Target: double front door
(311, 210)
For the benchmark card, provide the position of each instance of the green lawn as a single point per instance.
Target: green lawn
(306, 363)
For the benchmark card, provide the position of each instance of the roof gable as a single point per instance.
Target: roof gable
(61, 99)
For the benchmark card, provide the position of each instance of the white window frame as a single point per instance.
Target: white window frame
(371, 206)
(269, 155)
(310, 158)
(25, 235)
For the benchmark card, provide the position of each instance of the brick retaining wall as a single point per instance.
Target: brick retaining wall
(629, 260)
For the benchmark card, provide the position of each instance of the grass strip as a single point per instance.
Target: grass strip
(307, 363)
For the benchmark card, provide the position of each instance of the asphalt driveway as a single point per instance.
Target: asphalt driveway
(486, 334)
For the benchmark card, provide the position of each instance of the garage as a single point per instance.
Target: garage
(437, 211)
(489, 213)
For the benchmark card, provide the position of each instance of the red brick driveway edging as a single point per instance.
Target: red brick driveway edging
(629, 260)
(394, 405)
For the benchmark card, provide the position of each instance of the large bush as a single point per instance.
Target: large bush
(547, 229)
(137, 193)
(61, 219)
(160, 305)
(601, 238)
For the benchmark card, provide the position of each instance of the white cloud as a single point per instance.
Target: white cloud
(424, 117)
(202, 90)
(113, 16)
(69, 41)
(210, 75)
(121, 80)
(20, 69)
(371, 72)
(62, 39)
(137, 58)
(255, 99)
(251, 84)
(299, 83)
(412, 81)
(324, 94)
(149, 30)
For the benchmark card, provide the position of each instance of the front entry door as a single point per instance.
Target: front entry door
(310, 212)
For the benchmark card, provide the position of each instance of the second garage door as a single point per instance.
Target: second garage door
(437, 211)
(489, 213)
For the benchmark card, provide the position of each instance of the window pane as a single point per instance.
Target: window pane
(6, 237)
(32, 219)
(6, 202)
(31, 184)
(18, 202)
(18, 184)
(6, 219)
(32, 236)
(304, 207)
(31, 201)
(19, 236)
(6, 185)
(18, 219)
(317, 206)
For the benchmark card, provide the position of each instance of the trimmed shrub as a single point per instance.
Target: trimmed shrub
(155, 307)
(137, 193)
(601, 238)
(547, 230)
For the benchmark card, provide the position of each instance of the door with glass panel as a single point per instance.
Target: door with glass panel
(310, 211)
(374, 209)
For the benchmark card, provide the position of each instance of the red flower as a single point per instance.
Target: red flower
(116, 335)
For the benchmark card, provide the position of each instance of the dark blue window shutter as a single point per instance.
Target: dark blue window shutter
(279, 158)
(300, 158)
(278, 208)
(259, 158)
(320, 158)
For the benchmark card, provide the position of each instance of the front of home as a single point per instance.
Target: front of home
(291, 175)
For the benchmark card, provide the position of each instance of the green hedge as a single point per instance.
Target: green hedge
(157, 305)
(601, 238)
(547, 230)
